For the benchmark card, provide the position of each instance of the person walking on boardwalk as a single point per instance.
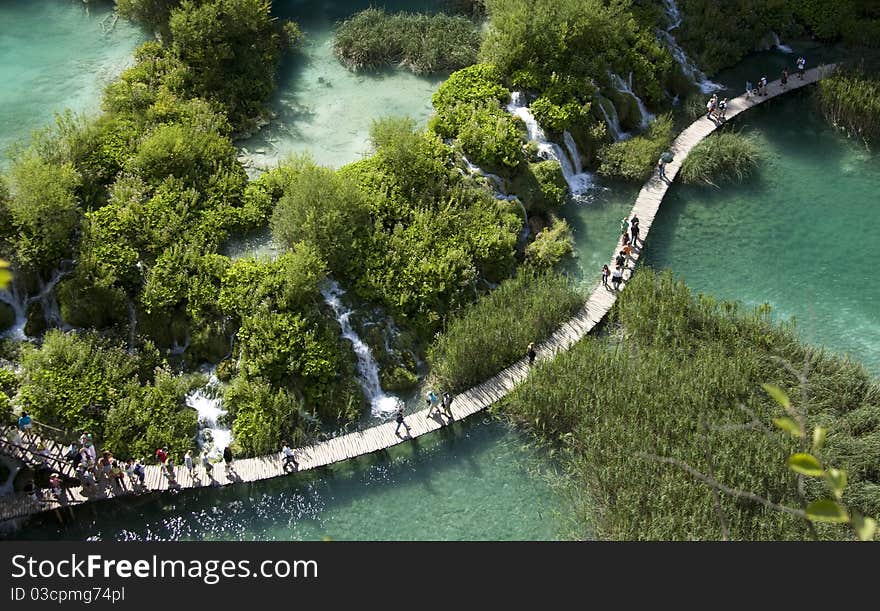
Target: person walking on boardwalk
(135, 470)
(188, 463)
(118, 475)
(530, 352)
(627, 252)
(162, 455)
(661, 168)
(710, 106)
(620, 260)
(617, 277)
(398, 416)
(722, 110)
(432, 402)
(634, 229)
(25, 423)
(748, 88)
(605, 273)
(227, 457)
(784, 78)
(288, 457)
(762, 85)
(624, 225)
(207, 466)
(447, 404)
(801, 66)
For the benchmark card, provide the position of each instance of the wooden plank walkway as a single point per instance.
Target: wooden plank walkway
(467, 403)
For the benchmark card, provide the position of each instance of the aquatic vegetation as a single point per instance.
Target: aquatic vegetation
(850, 99)
(492, 333)
(422, 43)
(541, 186)
(679, 376)
(722, 157)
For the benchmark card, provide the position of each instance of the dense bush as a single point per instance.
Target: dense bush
(672, 360)
(43, 212)
(325, 210)
(264, 417)
(722, 157)
(495, 331)
(76, 381)
(541, 186)
(492, 138)
(423, 43)
(551, 245)
(635, 158)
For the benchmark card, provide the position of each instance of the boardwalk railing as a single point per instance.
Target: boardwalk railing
(479, 397)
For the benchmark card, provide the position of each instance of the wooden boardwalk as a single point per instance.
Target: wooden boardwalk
(465, 404)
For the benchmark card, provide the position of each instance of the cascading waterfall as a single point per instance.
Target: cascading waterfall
(208, 403)
(382, 405)
(625, 87)
(611, 119)
(578, 182)
(45, 296)
(778, 44)
(687, 66)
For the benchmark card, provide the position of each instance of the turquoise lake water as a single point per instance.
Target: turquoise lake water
(54, 55)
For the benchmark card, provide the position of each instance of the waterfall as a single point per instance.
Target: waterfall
(578, 182)
(501, 194)
(625, 86)
(207, 402)
(477, 170)
(778, 44)
(381, 404)
(45, 296)
(19, 304)
(687, 66)
(611, 120)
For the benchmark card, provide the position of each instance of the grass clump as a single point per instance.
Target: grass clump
(495, 331)
(722, 157)
(672, 362)
(424, 44)
(551, 245)
(850, 99)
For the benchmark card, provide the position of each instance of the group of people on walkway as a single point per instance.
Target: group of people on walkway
(437, 405)
(761, 88)
(630, 240)
(716, 110)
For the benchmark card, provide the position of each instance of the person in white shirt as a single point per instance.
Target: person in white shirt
(288, 456)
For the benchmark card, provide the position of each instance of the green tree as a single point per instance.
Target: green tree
(43, 211)
(321, 208)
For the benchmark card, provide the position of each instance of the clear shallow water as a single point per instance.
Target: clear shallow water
(801, 236)
(53, 55)
(475, 482)
(322, 107)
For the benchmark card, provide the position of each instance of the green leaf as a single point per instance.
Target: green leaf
(789, 426)
(826, 510)
(864, 527)
(778, 395)
(805, 464)
(836, 479)
(819, 437)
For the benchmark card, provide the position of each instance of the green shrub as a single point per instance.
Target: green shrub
(635, 158)
(495, 331)
(492, 138)
(263, 417)
(722, 157)
(541, 186)
(672, 360)
(551, 245)
(464, 90)
(423, 43)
